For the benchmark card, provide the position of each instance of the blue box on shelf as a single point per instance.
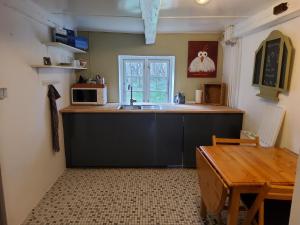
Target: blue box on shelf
(81, 43)
(59, 35)
(70, 37)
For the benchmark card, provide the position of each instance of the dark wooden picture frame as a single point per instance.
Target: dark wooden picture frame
(273, 65)
(202, 59)
(47, 61)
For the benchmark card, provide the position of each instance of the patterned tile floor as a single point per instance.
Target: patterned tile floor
(121, 197)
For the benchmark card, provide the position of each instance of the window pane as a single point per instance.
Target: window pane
(134, 68)
(137, 83)
(158, 97)
(159, 69)
(134, 76)
(136, 95)
(159, 81)
(159, 84)
(151, 84)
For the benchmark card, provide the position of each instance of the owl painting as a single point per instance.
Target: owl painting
(202, 59)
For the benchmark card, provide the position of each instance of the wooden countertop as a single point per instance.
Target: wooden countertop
(165, 108)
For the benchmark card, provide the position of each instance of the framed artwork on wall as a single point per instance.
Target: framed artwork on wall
(202, 59)
(273, 65)
(47, 61)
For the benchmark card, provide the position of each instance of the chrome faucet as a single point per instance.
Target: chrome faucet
(131, 99)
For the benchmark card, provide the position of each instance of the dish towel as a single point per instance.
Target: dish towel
(53, 95)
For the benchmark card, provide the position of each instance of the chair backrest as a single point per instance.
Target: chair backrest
(268, 192)
(217, 141)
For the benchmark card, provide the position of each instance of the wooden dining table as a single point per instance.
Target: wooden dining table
(245, 169)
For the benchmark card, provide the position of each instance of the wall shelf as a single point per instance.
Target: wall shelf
(57, 67)
(64, 46)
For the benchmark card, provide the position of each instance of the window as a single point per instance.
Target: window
(151, 77)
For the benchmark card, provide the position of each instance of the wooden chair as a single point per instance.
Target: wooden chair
(280, 193)
(216, 141)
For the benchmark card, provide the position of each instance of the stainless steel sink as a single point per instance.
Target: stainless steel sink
(139, 107)
(150, 107)
(129, 107)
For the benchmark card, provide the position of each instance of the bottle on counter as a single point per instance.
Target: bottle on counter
(179, 98)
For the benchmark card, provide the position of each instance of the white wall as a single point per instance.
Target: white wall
(255, 106)
(28, 165)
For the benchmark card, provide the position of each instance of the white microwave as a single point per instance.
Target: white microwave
(88, 94)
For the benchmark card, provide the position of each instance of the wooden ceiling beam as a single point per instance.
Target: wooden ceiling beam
(150, 14)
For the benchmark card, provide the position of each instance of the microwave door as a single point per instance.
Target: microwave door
(84, 96)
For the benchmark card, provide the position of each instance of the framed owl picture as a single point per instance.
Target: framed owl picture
(202, 59)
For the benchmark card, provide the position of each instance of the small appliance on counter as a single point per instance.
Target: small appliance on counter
(179, 98)
(88, 94)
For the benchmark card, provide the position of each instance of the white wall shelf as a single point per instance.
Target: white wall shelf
(64, 46)
(58, 67)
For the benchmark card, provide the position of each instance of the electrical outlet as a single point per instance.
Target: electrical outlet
(3, 93)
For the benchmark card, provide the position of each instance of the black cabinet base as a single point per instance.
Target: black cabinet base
(199, 129)
(142, 140)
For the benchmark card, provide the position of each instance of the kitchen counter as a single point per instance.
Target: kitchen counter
(105, 136)
(165, 108)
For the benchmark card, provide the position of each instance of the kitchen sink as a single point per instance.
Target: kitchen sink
(139, 107)
(150, 107)
(129, 107)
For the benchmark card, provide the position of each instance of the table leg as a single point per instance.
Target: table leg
(261, 217)
(234, 207)
(203, 211)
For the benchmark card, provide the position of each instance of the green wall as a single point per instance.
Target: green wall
(105, 48)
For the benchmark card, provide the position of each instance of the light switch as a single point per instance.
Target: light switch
(3, 93)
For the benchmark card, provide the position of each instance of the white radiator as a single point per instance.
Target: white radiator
(269, 126)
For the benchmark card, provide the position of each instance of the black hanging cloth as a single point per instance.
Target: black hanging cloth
(53, 95)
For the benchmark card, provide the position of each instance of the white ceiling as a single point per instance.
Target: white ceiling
(175, 15)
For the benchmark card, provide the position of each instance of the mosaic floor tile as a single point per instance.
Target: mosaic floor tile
(121, 197)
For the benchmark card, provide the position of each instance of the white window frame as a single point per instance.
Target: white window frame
(121, 58)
